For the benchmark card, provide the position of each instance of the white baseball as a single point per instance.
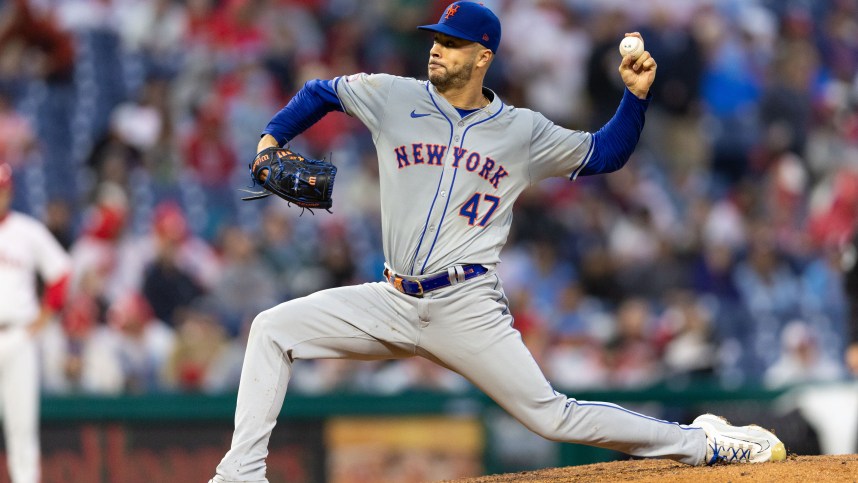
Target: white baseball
(631, 46)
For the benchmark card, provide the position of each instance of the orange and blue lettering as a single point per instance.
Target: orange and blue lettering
(435, 153)
(402, 157)
(487, 168)
(458, 154)
(500, 173)
(473, 161)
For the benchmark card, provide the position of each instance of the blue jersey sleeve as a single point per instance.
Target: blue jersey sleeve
(615, 142)
(310, 104)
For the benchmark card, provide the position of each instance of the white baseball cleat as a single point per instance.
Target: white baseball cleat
(738, 444)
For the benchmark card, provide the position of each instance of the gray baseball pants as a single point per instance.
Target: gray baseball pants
(466, 328)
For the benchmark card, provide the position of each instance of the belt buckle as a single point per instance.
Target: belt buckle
(396, 281)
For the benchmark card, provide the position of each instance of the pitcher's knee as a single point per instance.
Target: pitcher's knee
(277, 322)
(261, 323)
(549, 431)
(265, 324)
(553, 422)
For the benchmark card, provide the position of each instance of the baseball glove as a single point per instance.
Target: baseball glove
(307, 183)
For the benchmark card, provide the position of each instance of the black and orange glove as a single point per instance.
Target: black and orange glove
(308, 183)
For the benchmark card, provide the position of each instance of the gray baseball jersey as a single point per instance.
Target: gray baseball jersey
(447, 189)
(448, 184)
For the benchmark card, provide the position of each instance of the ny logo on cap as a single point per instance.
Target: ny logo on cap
(451, 10)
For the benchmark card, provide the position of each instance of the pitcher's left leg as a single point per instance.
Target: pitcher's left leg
(470, 332)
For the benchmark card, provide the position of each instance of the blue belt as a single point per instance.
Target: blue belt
(420, 286)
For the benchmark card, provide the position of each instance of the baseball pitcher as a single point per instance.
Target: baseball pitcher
(453, 157)
(27, 249)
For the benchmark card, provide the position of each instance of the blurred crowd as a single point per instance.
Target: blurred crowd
(716, 254)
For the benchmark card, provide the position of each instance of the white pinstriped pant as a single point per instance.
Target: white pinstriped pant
(19, 393)
(467, 328)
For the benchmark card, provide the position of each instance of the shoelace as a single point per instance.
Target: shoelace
(729, 453)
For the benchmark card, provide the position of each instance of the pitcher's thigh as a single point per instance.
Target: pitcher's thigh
(473, 335)
(358, 322)
(507, 372)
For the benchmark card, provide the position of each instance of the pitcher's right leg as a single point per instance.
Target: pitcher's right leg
(358, 322)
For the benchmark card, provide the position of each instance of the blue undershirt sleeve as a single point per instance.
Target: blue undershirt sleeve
(310, 104)
(614, 143)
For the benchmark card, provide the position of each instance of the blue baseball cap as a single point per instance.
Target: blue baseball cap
(469, 21)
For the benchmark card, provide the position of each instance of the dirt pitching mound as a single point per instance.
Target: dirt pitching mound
(840, 468)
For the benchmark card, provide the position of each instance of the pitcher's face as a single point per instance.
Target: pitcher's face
(451, 61)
